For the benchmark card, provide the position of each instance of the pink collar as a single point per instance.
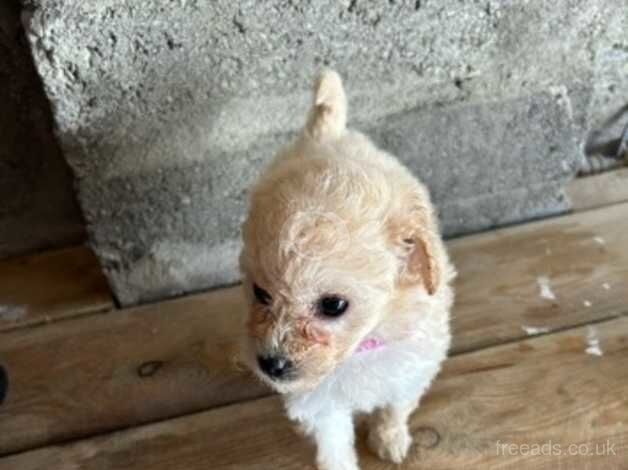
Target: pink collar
(369, 344)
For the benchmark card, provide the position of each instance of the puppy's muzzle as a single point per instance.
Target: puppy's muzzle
(276, 367)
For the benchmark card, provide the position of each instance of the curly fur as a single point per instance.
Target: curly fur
(333, 214)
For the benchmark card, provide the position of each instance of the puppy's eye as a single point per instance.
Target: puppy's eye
(332, 306)
(262, 296)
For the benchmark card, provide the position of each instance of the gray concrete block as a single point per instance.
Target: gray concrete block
(477, 157)
(159, 102)
(37, 206)
(165, 74)
(608, 109)
(175, 230)
(189, 217)
(507, 207)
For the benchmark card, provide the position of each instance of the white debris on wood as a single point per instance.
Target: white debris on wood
(534, 330)
(593, 343)
(599, 240)
(606, 286)
(545, 288)
(587, 303)
(12, 312)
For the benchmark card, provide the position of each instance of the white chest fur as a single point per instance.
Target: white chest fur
(370, 379)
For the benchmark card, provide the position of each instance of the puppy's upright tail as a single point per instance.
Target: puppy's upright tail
(328, 117)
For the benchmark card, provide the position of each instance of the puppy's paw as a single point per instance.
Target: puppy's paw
(337, 461)
(390, 444)
(338, 465)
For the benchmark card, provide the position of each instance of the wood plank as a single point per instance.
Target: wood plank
(100, 373)
(93, 375)
(601, 190)
(49, 286)
(509, 276)
(544, 391)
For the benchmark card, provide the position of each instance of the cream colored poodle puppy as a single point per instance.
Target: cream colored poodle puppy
(349, 285)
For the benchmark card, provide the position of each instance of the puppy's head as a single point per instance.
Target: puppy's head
(330, 243)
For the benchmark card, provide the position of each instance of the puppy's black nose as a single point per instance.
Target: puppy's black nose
(274, 366)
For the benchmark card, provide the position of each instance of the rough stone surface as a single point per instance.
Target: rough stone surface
(493, 163)
(167, 109)
(608, 109)
(37, 206)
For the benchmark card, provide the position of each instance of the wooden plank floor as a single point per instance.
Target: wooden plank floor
(540, 391)
(68, 377)
(592, 192)
(46, 287)
(95, 374)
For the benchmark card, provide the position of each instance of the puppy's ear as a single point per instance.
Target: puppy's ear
(328, 117)
(414, 236)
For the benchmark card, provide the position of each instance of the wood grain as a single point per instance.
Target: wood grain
(582, 258)
(94, 375)
(49, 286)
(601, 190)
(544, 391)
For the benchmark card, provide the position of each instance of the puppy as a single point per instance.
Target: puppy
(348, 283)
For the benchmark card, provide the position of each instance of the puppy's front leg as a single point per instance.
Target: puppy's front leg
(334, 436)
(389, 437)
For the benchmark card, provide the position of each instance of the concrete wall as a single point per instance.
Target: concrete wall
(37, 206)
(167, 109)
